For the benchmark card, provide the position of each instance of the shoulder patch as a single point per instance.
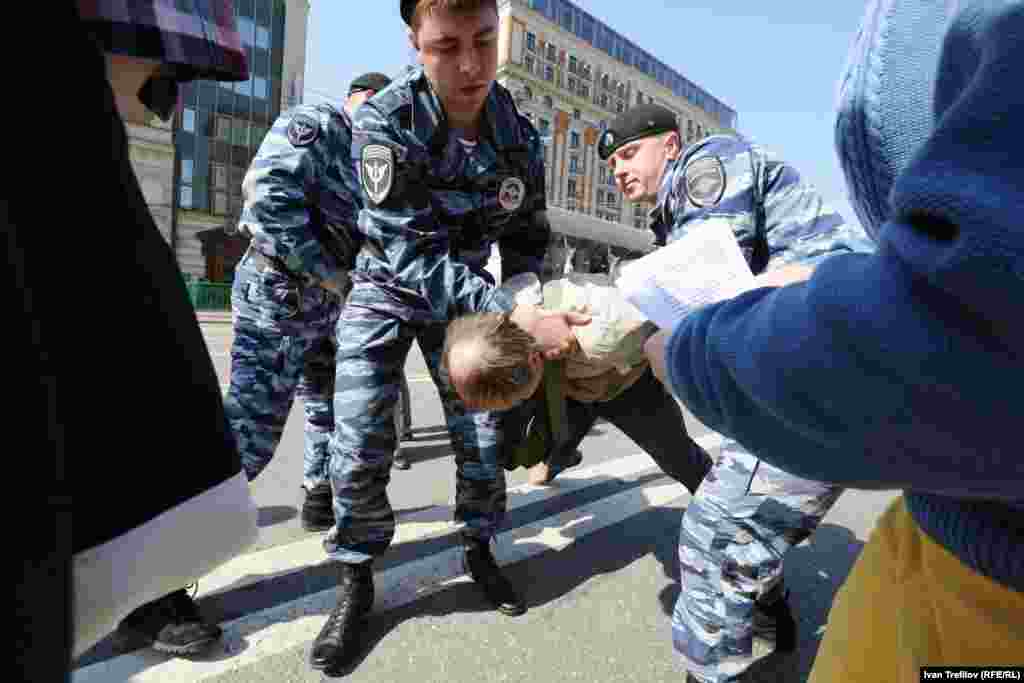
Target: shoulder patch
(704, 181)
(303, 130)
(377, 171)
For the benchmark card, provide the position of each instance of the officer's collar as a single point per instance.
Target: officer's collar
(430, 124)
(661, 210)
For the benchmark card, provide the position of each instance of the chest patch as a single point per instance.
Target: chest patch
(303, 130)
(511, 194)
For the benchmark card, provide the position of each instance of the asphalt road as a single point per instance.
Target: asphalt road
(595, 556)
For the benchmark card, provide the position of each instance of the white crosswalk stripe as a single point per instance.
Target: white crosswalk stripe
(272, 631)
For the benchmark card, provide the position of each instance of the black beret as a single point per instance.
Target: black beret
(408, 7)
(371, 81)
(639, 122)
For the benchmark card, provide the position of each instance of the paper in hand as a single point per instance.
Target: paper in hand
(703, 267)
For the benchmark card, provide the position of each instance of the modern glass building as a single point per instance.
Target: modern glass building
(222, 124)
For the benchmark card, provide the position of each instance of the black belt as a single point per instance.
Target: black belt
(258, 258)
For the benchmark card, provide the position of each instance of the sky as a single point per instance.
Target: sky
(777, 64)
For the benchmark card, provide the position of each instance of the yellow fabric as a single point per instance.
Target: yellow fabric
(909, 603)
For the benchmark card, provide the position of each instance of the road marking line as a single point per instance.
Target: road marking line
(251, 568)
(273, 631)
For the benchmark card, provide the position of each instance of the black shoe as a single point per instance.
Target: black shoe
(400, 461)
(480, 565)
(558, 468)
(337, 643)
(170, 624)
(318, 508)
(775, 622)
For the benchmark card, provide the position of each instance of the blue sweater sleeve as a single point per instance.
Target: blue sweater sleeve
(864, 376)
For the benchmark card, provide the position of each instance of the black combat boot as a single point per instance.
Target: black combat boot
(775, 622)
(169, 624)
(318, 508)
(400, 461)
(338, 641)
(480, 565)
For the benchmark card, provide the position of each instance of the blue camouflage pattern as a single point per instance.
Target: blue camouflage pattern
(283, 344)
(746, 514)
(733, 537)
(300, 209)
(800, 227)
(422, 264)
(301, 200)
(430, 238)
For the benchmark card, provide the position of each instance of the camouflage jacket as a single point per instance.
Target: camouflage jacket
(714, 180)
(300, 195)
(432, 206)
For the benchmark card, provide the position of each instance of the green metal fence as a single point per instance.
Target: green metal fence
(209, 296)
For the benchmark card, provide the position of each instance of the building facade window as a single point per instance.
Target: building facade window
(531, 41)
(574, 140)
(552, 52)
(240, 133)
(573, 65)
(584, 90)
(528, 63)
(220, 203)
(224, 123)
(571, 188)
(604, 100)
(619, 107)
(548, 102)
(549, 73)
(572, 84)
(574, 164)
(576, 115)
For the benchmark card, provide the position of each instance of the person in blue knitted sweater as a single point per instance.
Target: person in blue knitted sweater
(901, 369)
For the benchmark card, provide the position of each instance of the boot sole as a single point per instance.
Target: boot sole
(195, 648)
(504, 609)
(314, 527)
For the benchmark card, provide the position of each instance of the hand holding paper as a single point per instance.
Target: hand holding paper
(703, 267)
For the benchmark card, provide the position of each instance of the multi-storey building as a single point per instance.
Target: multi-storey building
(571, 74)
(191, 173)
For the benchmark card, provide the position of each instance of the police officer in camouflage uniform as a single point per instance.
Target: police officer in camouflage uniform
(301, 202)
(447, 168)
(151, 47)
(746, 514)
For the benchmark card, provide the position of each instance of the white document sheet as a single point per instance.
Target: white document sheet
(703, 267)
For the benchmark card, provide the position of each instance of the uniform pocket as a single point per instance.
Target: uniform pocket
(277, 296)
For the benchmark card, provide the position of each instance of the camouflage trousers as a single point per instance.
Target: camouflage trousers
(375, 334)
(283, 346)
(733, 537)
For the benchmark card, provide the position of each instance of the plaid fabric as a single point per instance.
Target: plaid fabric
(199, 37)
